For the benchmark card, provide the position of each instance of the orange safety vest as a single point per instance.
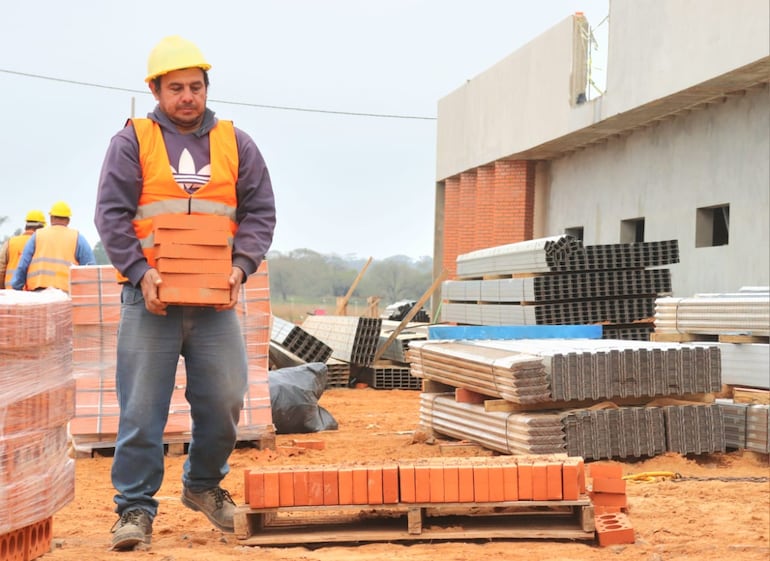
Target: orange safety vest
(55, 249)
(161, 194)
(15, 249)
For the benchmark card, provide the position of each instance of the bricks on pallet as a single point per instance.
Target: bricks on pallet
(614, 529)
(39, 538)
(13, 545)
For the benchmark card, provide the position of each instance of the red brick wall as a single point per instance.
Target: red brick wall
(488, 206)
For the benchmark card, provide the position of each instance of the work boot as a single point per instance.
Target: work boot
(134, 527)
(215, 503)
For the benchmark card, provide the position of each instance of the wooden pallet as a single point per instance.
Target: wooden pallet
(175, 444)
(743, 338)
(570, 520)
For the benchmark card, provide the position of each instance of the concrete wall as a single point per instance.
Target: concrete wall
(520, 102)
(659, 47)
(663, 173)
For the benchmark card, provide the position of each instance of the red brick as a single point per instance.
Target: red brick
(510, 482)
(286, 487)
(437, 484)
(315, 486)
(301, 487)
(374, 485)
(616, 486)
(614, 529)
(451, 484)
(554, 481)
(540, 481)
(481, 483)
(422, 483)
(271, 482)
(525, 481)
(605, 470)
(570, 479)
(345, 482)
(467, 396)
(331, 486)
(496, 483)
(360, 485)
(608, 499)
(465, 481)
(390, 484)
(406, 483)
(256, 486)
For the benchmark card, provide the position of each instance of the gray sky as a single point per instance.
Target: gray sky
(344, 184)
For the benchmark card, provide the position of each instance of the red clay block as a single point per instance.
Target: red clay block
(614, 529)
(315, 486)
(496, 484)
(465, 480)
(214, 266)
(390, 484)
(286, 488)
(272, 497)
(570, 471)
(406, 483)
(510, 482)
(540, 481)
(374, 485)
(451, 484)
(616, 486)
(256, 495)
(182, 295)
(467, 396)
(525, 481)
(189, 237)
(422, 483)
(599, 509)
(480, 484)
(13, 545)
(605, 470)
(437, 484)
(345, 482)
(176, 251)
(39, 536)
(196, 280)
(608, 499)
(554, 481)
(331, 487)
(191, 222)
(300, 487)
(360, 486)
(310, 444)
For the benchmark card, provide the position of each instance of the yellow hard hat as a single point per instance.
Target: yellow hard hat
(36, 216)
(60, 208)
(174, 53)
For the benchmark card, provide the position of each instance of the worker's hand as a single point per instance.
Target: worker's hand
(236, 280)
(149, 284)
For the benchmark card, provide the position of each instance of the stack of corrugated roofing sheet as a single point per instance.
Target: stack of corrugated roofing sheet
(694, 429)
(352, 339)
(541, 370)
(734, 420)
(745, 364)
(509, 433)
(721, 314)
(758, 428)
(615, 433)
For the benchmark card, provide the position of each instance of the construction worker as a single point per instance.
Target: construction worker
(181, 159)
(10, 251)
(50, 252)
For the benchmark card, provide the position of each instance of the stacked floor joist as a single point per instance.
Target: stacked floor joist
(37, 400)
(566, 283)
(95, 318)
(739, 325)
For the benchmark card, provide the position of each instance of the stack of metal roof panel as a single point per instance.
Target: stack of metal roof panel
(509, 433)
(758, 428)
(720, 314)
(541, 370)
(745, 364)
(352, 339)
(694, 429)
(734, 420)
(614, 433)
(564, 253)
(298, 341)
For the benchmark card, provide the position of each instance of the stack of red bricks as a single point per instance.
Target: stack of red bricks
(37, 400)
(608, 495)
(194, 258)
(434, 480)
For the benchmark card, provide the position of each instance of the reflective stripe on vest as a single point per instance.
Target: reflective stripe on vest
(55, 249)
(161, 194)
(15, 249)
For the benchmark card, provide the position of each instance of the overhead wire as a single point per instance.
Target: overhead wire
(224, 101)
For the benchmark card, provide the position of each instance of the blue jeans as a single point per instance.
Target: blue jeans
(149, 347)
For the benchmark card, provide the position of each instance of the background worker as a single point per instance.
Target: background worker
(180, 160)
(50, 252)
(10, 251)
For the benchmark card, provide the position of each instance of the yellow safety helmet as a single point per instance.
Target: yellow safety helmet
(174, 53)
(36, 216)
(60, 208)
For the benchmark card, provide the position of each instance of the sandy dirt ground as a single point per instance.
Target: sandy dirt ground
(717, 514)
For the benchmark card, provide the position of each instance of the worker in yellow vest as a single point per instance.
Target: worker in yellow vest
(50, 252)
(10, 252)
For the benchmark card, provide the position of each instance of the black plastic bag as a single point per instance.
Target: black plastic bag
(294, 395)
